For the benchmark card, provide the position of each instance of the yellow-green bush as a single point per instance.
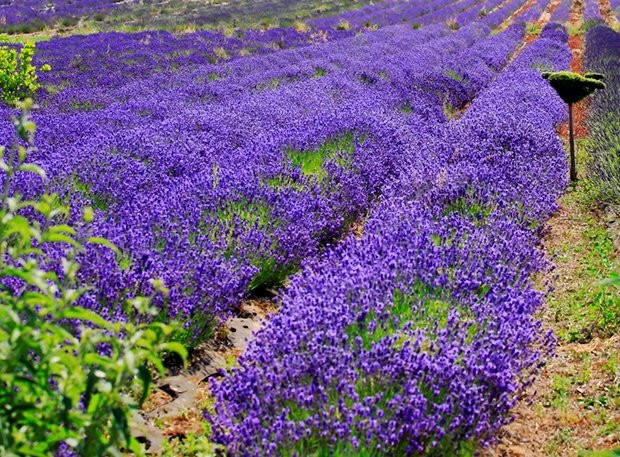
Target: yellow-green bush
(18, 76)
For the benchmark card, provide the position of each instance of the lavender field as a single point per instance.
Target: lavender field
(24, 16)
(382, 174)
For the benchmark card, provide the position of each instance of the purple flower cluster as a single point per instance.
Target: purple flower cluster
(25, 11)
(534, 12)
(223, 178)
(477, 12)
(602, 54)
(591, 13)
(562, 12)
(417, 338)
(499, 15)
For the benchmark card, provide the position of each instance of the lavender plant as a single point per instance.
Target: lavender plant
(69, 379)
(602, 52)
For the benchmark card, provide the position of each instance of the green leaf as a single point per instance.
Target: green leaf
(144, 374)
(18, 225)
(51, 237)
(62, 228)
(87, 315)
(95, 359)
(38, 299)
(177, 348)
(31, 168)
(103, 242)
(28, 450)
(121, 424)
(16, 273)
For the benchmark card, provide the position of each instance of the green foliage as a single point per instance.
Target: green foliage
(312, 163)
(450, 73)
(191, 446)
(613, 453)
(453, 25)
(320, 72)
(464, 207)
(22, 39)
(343, 25)
(587, 25)
(406, 108)
(68, 377)
(449, 111)
(594, 75)
(18, 77)
(572, 87)
(532, 29)
(598, 307)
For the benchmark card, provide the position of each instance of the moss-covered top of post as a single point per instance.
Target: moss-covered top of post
(573, 87)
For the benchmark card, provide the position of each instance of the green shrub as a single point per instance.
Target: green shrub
(532, 29)
(587, 25)
(452, 24)
(18, 77)
(343, 25)
(572, 87)
(68, 377)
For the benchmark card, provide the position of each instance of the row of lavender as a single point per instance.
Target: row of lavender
(533, 13)
(226, 197)
(417, 338)
(394, 11)
(591, 13)
(20, 11)
(479, 11)
(602, 54)
(496, 17)
(562, 12)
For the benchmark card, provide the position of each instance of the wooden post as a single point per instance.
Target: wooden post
(571, 140)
